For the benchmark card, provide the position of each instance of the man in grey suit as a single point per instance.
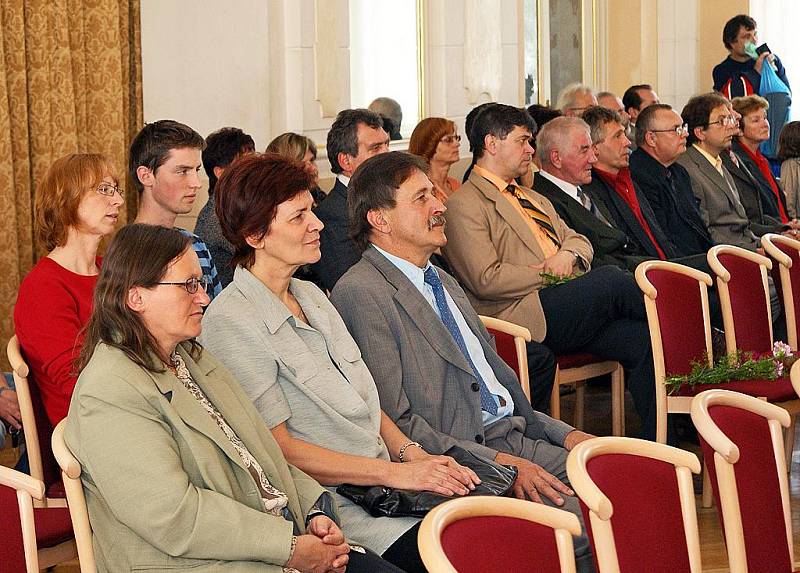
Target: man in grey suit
(438, 375)
(712, 126)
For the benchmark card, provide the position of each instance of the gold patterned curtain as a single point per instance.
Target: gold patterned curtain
(70, 82)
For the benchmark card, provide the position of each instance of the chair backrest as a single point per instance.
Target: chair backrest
(510, 339)
(744, 297)
(743, 437)
(483, 533)
(678, 317)
(79, 513)
(785, 255)
(34, 421)
(646, 520)
(17, 529)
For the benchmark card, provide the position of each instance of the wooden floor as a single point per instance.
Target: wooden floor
(598, 421)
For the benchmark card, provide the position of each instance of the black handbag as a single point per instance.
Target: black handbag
(379, 501)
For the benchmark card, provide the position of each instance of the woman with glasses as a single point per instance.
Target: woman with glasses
(178, 469)
(289, 348)
(436, 140)
(77, 204)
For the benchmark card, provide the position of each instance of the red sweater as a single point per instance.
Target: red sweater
(53, 305)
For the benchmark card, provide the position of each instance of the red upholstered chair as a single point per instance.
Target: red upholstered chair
(79, 513)
(638, 504)
(746, 315)
(785, 255)
(32, 539)
(742, 441)
(37, 431)
(510, 341)
(497, 534)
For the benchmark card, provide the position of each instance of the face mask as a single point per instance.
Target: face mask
(750, 50)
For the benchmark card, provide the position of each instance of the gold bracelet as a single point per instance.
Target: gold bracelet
(407, 445)
(292, 547)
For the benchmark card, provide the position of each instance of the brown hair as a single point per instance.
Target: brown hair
(59, 194)
(293, 146)
(139, 255)
(248, 196)
(748, 104)
(789, 141)
(426, 136)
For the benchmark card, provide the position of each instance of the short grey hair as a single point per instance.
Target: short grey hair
(647, 120)
(567, 95)
(388, 107)
(555, 135)
(598, 117)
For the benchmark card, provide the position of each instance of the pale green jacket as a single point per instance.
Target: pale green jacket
(164, 486)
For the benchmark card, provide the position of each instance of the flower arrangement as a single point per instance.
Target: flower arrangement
(738, 366)
(549, 279)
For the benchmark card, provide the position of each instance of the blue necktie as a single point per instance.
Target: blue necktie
(487, 400)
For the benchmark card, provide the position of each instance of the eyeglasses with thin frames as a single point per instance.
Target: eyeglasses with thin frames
(678, 130)
(451, 138)
(108, 190)
(191, 284)
(724, 121)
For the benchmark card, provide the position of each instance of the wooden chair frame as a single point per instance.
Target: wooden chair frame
(20, 372)
(28, 490)
(564, 524)
(723, 277)
(726, 454)
(521, 336)
(769, 241)
(78, 512)
(568, 376)
(601, 509)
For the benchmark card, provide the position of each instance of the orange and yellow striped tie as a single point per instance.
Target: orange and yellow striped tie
(541, 218)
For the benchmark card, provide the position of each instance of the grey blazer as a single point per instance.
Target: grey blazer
(720, 206)
(424, 381)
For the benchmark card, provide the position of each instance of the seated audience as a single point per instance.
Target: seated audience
(437, 373)
(566, 154)
(77, 204)
(289, 349)
(355, 135)
(222, 147)
(661, 140)
(178, 470)
(635, 99)
(575, 98)
(617, 197)
(507, 245)
(711, 126)
(389, 110)
(789, 154)
(761, 195)
(302, 149)
(436, 140)
(164, 164)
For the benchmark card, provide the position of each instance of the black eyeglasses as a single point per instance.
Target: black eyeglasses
(677, 130)
(108, 190)
(191, 285)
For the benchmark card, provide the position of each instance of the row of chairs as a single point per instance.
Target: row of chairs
(638, 503)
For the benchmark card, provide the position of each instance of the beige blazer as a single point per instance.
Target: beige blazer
(164, 486)
(493, 253)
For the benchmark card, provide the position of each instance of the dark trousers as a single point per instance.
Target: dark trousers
(541, 373)
(602, 312)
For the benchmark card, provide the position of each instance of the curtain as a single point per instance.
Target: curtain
(70, 82)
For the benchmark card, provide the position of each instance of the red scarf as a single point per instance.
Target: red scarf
(763, 166)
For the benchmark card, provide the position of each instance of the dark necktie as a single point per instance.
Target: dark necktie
(587, 202)
(487, 401)
(541, 218)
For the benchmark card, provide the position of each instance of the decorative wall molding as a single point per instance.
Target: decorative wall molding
(483, 53)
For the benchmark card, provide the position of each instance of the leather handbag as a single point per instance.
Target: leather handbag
(380, 501)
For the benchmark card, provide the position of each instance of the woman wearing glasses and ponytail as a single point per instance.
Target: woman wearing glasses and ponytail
(77, 204)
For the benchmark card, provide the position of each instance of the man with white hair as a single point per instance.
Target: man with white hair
(575, 99)
(389, 109)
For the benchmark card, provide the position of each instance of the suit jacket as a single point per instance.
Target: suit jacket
(675, 208)
(720, 206)
(164, 485)
(611, 246)
(339, 252)
(424, 381)
(616, 211)
(494, 254)
(758, 200)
